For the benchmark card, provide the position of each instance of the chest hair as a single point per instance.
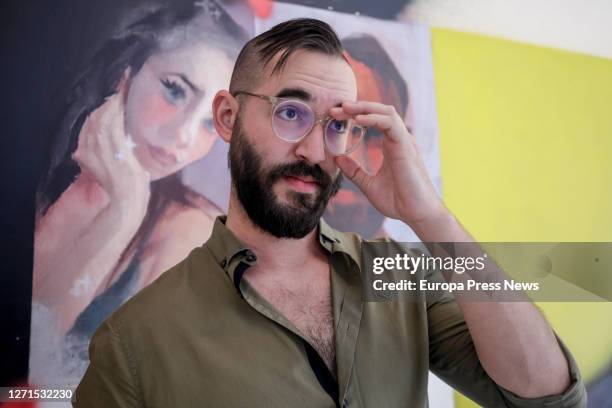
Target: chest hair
(309, 308)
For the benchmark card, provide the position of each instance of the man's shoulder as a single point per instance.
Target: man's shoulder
(384, 244)
(173, 296)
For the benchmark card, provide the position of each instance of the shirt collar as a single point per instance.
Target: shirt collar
(335, 241)
(229, 251)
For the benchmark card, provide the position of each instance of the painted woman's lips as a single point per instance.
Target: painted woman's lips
(162, 156)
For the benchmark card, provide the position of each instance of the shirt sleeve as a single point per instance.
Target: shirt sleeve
(453, 358)
(110, 379)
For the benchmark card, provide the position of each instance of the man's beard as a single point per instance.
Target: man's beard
(254, 187)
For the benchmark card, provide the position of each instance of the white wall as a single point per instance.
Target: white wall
(579, 26)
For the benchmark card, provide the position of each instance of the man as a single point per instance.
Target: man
(269, 313)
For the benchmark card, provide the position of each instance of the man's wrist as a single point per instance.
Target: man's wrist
(440, 226)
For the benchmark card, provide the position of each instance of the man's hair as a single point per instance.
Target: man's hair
(287, 37)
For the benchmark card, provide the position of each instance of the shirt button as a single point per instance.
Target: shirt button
(250, 256)
(223, 263)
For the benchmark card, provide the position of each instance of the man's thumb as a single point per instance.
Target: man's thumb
(353, 171)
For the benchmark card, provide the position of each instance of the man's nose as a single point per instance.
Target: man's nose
(312, 146)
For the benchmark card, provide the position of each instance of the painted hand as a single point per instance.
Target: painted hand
(104, 154)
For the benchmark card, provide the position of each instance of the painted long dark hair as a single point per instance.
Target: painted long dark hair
(130, 47)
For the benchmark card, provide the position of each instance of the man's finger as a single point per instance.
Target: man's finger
(358, 107)
(386, 124)
(354, 172)
(339, 114)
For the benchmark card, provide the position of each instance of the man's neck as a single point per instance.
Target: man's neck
(273, 254)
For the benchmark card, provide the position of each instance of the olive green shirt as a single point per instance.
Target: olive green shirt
(200, 336)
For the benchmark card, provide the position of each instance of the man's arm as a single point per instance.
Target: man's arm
(514, 343)
(454, 359)
(109, 380)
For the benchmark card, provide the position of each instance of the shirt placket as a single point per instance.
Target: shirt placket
(346, 303)
(348, 309)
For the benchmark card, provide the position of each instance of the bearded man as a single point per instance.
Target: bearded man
(270, 312)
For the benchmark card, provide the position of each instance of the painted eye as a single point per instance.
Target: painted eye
(209, 125)
(173, 91)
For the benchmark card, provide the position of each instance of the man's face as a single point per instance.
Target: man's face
(284, 187)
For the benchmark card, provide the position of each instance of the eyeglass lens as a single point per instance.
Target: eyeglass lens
(292, 120)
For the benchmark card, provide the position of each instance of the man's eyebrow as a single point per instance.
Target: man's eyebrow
(297, 93)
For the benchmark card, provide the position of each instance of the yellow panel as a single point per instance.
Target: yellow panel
(526, 148)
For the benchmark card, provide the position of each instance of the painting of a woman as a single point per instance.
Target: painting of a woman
(112, 212)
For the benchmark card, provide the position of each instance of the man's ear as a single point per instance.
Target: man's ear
(225, 109)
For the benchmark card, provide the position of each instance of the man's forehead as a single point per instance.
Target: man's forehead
(313, 77)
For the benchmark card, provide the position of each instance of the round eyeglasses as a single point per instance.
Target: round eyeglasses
(292, 120)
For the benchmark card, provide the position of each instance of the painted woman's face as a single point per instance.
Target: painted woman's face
(169, 107)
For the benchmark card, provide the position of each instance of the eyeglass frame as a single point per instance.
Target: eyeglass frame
(275, 100)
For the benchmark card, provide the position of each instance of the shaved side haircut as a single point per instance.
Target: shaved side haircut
(286, 38)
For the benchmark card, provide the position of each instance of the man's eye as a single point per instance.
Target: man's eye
(288, 113)
(338, 126)
(173, 91)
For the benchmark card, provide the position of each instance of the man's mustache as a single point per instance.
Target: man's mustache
(302, 169)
